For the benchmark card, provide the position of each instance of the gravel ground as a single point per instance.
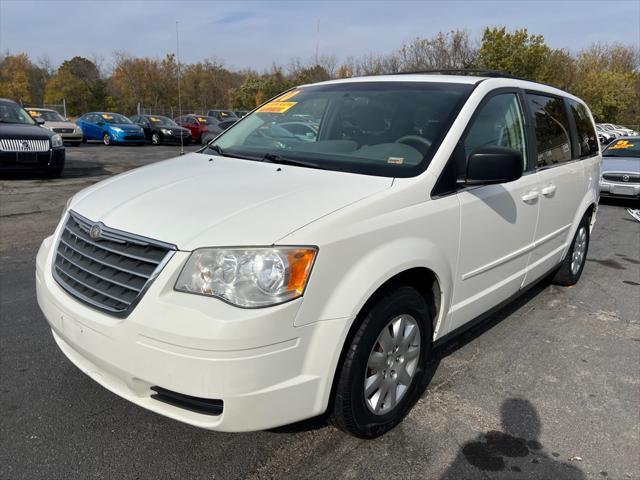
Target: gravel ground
(548, 387)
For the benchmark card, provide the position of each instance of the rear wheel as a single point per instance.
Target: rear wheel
(106, 139)
(571, 267)
(383, 371)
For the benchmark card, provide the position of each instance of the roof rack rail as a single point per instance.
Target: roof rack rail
(479, 72)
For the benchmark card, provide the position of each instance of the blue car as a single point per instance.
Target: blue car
(110, 128)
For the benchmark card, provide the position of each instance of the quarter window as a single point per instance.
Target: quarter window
(552, 129)
(498, 123)
(587, 138)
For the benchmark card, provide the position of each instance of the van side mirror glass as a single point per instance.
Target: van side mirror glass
(492, 164)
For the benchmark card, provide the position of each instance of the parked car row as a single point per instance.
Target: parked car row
(608, 132)
(621, 168)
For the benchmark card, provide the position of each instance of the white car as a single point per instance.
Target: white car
(267, 279)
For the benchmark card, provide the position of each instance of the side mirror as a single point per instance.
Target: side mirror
(493, 164)
(39, 121)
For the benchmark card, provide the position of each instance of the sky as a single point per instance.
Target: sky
(257, 34)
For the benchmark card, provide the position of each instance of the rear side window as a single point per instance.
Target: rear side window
(587, 138)
(498, 123)
(552, 129)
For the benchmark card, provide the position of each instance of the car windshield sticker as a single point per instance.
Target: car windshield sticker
(202, 119)
(107, 116)
(622, 144)
(34, 113)
(396, 160)
(280, 104)
(154, 119)
(224, 114)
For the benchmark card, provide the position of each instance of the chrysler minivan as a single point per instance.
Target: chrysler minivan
(269, 278)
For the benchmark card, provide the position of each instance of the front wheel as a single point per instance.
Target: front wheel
(155, 138)
(383, 371)
(106, 139)
(571, 267)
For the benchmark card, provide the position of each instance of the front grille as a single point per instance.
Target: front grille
(24, 145)
(110, 272)
(622, 177)
(63, 130)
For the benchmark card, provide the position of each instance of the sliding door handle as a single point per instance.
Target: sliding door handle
(549, 190)
(530, 197)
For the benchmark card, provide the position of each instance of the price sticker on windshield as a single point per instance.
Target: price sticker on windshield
(34, 113)
(280, 104)
(622, 144)
(107, 117)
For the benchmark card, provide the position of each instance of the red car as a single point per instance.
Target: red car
(198, 125)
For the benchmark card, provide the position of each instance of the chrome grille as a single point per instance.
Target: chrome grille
(24, 145)
(622, 177)
(110, 272)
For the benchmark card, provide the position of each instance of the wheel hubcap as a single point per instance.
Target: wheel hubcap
(579, 250)
(155, 138)
(106, 139)
(392, 364)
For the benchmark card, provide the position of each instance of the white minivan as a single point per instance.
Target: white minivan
(278, 274)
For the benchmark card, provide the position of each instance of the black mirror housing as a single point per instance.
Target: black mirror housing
(493, 164)
(39, 121)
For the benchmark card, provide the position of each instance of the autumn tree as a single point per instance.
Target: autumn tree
(79, 83)
(21, 80)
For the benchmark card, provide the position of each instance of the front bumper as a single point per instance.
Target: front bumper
(71, 137)
(128, 137)
(266, 371)
(620, 190)
(51, 159)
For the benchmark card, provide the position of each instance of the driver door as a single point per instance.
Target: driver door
(498, 222)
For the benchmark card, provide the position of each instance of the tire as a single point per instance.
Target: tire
(365, 415)
(156, 139)
(571, 267)
(106, 139)
(54, 172)
(76, 144)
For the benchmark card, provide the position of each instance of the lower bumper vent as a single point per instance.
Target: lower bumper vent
(205, 406)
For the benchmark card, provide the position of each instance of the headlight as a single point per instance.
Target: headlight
(248, 277)
(77, 129)
(117, 129)
(166, 131)
(56, 141)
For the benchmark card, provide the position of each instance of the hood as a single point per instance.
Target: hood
(174, 129)
(60, 125)
(621, 164)
(17, 130)
(125, 126)
(202, 200)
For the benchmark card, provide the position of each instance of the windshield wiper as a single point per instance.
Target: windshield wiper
(275, 158)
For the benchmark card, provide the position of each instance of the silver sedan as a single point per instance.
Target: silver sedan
(621, 168)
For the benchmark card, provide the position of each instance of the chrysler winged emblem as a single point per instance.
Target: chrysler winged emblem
(95, 231)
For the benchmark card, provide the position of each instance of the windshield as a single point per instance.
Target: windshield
(47, 115)
(167, 122)
(376, 128)
(623, 148)
(114, 118)
(12, 113)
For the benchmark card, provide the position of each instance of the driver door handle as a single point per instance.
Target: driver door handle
(549, 190)
(530, 197)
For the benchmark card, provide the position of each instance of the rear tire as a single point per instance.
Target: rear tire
(383, 371)
(571, 267)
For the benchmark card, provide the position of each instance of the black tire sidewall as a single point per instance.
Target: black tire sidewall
(405, 300)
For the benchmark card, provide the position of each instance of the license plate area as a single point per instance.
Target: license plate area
(27, 157)
(623, 190)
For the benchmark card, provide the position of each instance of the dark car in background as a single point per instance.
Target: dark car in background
(240, 113)
(159, 129)
(621, 169)
(222, 115)
(27, 146)
(203, 128)
(110, 128)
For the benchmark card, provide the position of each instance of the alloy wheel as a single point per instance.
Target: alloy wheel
(392, 364)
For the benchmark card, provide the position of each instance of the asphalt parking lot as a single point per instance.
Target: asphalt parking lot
(548, 387)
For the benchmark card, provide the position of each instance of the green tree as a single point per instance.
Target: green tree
(79, 83)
